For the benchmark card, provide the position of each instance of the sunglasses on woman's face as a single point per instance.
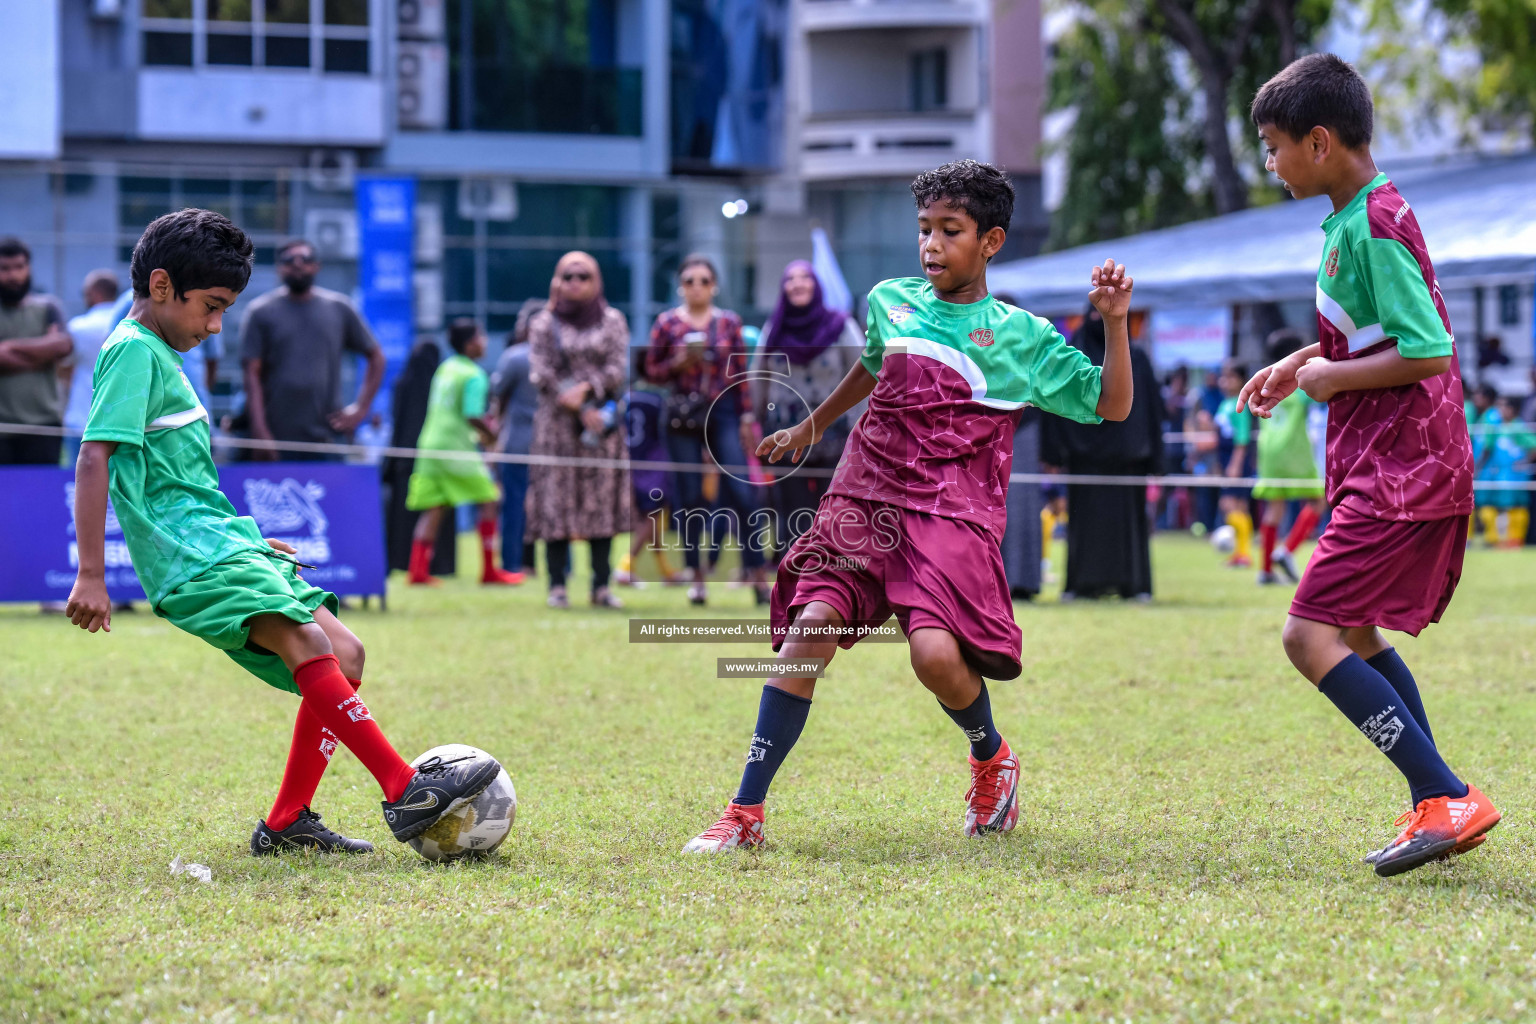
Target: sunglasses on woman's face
(294, 258)
(689, 282)
(575, 275)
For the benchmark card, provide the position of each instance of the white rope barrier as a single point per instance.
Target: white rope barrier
(365, 452)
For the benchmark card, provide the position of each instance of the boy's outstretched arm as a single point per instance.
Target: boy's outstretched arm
(1111, 296)
(1323, 378)
(89, 606)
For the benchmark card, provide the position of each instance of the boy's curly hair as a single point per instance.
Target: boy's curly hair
(979, 189)
(197, 248)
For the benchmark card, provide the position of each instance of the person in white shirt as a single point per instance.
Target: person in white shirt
(87, 331)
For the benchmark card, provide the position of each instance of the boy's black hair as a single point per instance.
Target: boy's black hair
(1235, 368)
(1318, 89)
(1488, 392)
(1284, 342)
(197, 248)
(979, 189)
(10, 245)
(461, 332)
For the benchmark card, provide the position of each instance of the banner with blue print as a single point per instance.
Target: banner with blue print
(330, 512)
(386, 223)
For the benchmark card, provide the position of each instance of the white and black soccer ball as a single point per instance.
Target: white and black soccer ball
(1224, 539)
(476, 828)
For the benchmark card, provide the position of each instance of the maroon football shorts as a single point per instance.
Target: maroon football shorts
(1381, 572)
(870, 559)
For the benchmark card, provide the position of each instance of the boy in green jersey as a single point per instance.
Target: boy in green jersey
(1399, 460)
(911, 522)
(1285, 457)
(207, 569)
(456, 415)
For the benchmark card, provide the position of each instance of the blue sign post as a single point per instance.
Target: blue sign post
(386, 220)
(329, 511)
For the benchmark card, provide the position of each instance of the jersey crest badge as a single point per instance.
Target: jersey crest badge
(1332, 266)
(982, 336)
(899, 313)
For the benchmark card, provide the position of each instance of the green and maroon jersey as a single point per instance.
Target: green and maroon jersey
(1398, 453)
(952, 380)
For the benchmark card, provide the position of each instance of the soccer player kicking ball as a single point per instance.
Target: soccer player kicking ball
(208, 570)
(914, 515)
(1399, 458)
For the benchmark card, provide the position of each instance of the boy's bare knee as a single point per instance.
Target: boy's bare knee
(935, 654)
(350, 653)
(1294, 637)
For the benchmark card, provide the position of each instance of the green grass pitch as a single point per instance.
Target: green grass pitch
(1193, 818)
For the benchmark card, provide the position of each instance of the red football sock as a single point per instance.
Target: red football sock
(338, 708)
(1306, 519)
(421, 561)
(487, 528)
(308, 757)
(1267, 539)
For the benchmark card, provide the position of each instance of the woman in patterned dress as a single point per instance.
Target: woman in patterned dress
(578, 360)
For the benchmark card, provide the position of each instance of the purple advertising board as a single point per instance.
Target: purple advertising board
(330, 512)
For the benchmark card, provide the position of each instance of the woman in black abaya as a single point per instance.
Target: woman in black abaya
(1109, 532)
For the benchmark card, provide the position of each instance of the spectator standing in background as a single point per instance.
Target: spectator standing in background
(515, 400)
(410, 394)
(806, 350)
(86, 333)
(1109, 533)
(578, 360)
(291, 344)
(33, 343)
(695, 351)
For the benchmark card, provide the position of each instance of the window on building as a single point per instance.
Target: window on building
(1509, 305)
(331, 35)
(930, 79)
(516, 66)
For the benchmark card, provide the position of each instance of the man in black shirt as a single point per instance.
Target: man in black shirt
(291, 344)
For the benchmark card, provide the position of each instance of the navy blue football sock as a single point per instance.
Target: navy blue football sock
(976, 722)
(780, 717)
(1395, 672)
(1369, 701)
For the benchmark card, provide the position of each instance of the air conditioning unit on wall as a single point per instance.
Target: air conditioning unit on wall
(421, 85)
(331, 170)
(332, 232)
(421, 19)
(487, 199)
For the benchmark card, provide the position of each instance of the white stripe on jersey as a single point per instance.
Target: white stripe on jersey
(958, 361)
(1356, 338)
(178, 419)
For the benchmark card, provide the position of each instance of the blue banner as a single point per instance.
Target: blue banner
(386, 223)
(330, 512)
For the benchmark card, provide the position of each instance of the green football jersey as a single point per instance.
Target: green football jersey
(951, 383)
(459, 392)
(162, 481)
(1398, 453)
(1285, 448)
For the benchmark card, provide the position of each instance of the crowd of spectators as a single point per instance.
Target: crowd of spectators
(701, 390)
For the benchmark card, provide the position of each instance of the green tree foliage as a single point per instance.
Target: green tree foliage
(1473, 61)
(1162, 89)
(1132, 152)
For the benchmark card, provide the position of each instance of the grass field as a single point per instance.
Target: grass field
(1188, 849)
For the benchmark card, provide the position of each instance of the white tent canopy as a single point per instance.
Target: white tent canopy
(1478, 216)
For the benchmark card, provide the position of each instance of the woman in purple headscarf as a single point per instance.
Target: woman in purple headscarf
(806, 349)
